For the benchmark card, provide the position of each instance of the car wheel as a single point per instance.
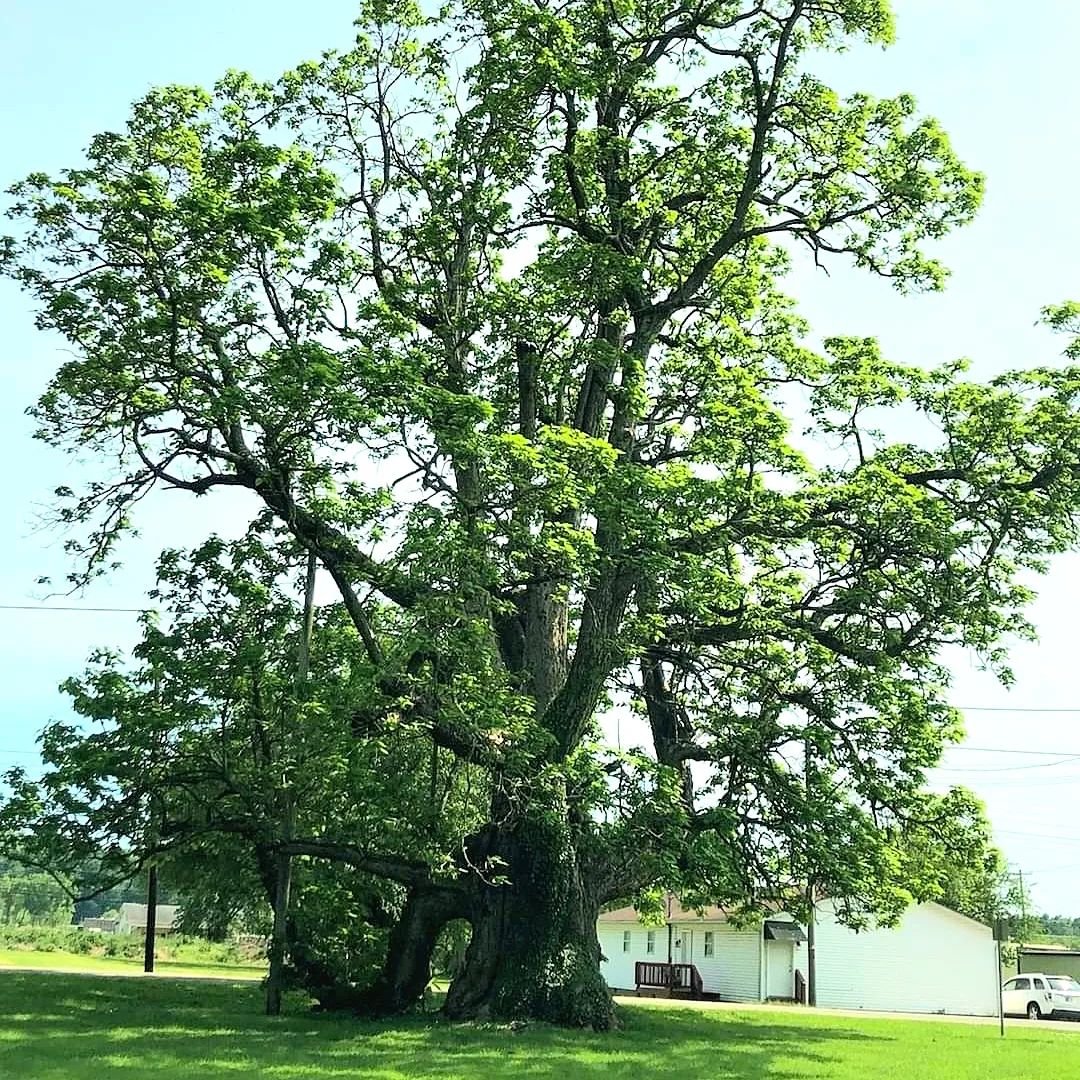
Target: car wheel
(1033, 1011)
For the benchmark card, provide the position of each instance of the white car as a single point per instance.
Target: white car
(1035, 995)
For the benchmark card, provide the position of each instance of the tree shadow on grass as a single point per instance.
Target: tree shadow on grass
(56, 1026)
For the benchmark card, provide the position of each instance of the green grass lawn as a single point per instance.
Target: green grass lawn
(70, 1027)
(77, 962)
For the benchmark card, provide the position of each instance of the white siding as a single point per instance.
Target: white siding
(802, 959)
(934, 962)
(734, 970)
(617, 966)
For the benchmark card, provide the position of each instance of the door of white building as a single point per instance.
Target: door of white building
(779, 969)
(686, 947)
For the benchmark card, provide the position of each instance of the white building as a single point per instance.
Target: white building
(934, 961)
(132, 918)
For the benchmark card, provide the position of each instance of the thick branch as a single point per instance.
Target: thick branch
(390, 867)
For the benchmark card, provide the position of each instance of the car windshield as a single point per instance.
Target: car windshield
(1066, 983)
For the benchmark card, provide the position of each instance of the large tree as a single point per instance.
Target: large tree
(486, 312)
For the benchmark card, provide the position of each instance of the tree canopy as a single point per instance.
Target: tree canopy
(486, 313)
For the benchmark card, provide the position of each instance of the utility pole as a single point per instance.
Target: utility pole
(283, 878)
(303, 660)
(282, 889)
(1023, 918)
(997, 978)
(150, 937)
(811, 946)
(151, 919)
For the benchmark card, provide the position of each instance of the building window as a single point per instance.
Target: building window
(650, 942)
(626, 941)
(708, 943)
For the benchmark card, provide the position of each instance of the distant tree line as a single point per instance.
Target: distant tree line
(29, 896)
(32, 897)
(1055, 925)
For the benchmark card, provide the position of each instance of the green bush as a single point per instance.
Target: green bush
(46, 938)
(121, 946)
(193, 950)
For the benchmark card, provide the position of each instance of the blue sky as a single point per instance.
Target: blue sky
(1005, 89)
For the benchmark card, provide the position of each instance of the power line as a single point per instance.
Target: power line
(1065, 781)
(62, 607)
(1038, 835)
(1008, 750)
(1012, 768)
(1055, 869)
(1072, 780)
(1017, 709)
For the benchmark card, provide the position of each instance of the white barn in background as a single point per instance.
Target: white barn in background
(934, 961)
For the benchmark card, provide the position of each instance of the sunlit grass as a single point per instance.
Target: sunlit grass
(104, 965)
(67, 1027)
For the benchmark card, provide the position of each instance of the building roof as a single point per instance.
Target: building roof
(135, 915)
(675, 912)
(98, 924)
(783, 930)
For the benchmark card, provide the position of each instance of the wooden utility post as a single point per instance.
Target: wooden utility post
(282, 889)
(1023, 908)
(283, 876)
(303, 660)
(811, 946)
(997, 978)
(151, 920)
(150, 938)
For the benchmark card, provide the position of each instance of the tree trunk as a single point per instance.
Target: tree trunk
(275, 980)
(311, 974)
(407, 970)
(534, 952)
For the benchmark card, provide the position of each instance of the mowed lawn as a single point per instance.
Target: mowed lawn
(70, 1027)
(105, 965)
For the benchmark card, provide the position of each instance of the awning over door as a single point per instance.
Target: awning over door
(778, 930)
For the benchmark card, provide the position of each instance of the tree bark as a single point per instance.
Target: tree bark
(275, 980)
(407, 969)
(534, 952)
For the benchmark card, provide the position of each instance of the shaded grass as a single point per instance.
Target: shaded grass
(78, 962)
(62, 1027)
